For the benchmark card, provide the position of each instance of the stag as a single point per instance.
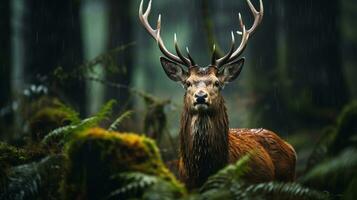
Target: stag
(206, 142)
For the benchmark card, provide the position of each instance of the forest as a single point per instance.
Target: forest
(87, 110)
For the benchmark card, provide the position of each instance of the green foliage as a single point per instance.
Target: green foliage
(11, 156)
(107, 59)
(46, 114)
(320, 151)
(225, 177)
(228, 184)
(104, 112)
(334, 171)
(283, 191)
(144, 186)
(103, 164)
(98, 160)
(62, 134)
(72, 115)
(133, 184)
(346, 129)
(351, 193)
(37, 180)
(114, 126)
(334, 160)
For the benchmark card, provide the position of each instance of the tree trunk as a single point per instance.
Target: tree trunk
(53, 40)
(317, 88)
(120, 19)
(5, 55)
(267, 110)
(349, 43)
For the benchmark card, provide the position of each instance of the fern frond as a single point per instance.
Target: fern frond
(114, 126)
(134, 183)
(61, 135)
(227, 175)
(105, 111)
(320, 151)
(283, 191)
(72, 115)
(30, 181)
(334, 168)
(137, 185)
(351, 192)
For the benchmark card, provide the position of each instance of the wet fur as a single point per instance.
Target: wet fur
(207, 145)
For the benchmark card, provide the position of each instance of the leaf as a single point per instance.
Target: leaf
(61, 135)
(73, 116)
(334, 168)
(114, 126)
(275, 190)
(29, 181)
(227, 175)
(134, 183)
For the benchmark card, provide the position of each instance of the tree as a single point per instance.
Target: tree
(316, 88)
(264, 81)
(120, 19)
(53, 39)
(5, 56)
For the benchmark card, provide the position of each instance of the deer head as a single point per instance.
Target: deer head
(203, 84)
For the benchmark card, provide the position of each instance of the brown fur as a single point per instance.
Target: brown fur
(207, 145)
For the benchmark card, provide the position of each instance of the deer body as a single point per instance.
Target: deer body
(206, 142)
(207, 145)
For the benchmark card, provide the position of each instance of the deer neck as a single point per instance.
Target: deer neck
(204, 143)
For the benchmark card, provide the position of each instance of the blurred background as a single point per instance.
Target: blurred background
(299, 74)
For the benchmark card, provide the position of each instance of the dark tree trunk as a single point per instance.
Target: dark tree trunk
(264, 79)
(120, 20)
(349, 43)
(4, 52)
(5, 55)
(53, 39)
(317, 87)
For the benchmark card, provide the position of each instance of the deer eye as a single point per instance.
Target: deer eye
(216, 84)
(188, 84)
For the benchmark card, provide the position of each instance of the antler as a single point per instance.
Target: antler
(234, 54)
(155, 33)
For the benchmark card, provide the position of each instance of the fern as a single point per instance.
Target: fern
(227, 175)
(228, 184)
(105, 111)
(72, 115)
(134, 183)
(274, 190)
(350, 192)
(114, 126)
(32, 180)
(61, 135)
(137, 185)
(334, 168)
(320, 151)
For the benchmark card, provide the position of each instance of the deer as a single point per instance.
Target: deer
(207, 144)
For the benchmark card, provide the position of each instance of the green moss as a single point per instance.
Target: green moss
(96, 155)
(346, 129)
(46, 120)
(12, 156)
(46, 114)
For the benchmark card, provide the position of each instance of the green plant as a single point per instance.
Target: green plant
(36, 180)
(61, 135)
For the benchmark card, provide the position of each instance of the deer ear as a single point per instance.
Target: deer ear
(231, 71)
(173, 70)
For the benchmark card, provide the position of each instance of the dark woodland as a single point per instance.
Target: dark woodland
(88, 110)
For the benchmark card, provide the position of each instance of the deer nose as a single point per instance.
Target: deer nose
(201, 97)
